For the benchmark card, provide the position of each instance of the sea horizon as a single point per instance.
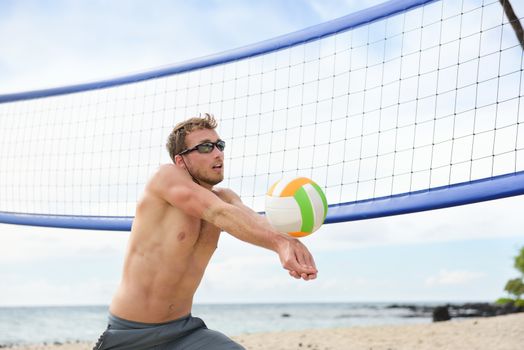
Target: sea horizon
(39, 324)
(418, 302)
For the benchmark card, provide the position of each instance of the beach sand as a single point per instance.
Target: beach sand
(491, 333)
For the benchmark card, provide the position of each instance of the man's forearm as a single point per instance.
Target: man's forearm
(246, 226)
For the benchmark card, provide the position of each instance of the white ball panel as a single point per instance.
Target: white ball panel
(283, 213)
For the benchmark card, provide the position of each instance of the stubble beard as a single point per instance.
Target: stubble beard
(212, 181)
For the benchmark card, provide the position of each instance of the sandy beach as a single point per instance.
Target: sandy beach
(490, 333)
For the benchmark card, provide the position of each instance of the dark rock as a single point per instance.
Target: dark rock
(457, 310)
(285, 315)
(482, 309)
(441, 313)
(473, 310)
(416, 310)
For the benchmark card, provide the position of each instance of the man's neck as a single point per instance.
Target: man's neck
(205, 185)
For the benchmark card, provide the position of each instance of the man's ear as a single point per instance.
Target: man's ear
(179, 161)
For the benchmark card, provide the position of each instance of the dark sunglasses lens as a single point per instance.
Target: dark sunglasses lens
(205, 147)
(221, 145)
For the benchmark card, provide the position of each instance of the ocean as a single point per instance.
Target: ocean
(60, 324)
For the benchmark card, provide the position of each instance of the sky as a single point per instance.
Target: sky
(455, 254)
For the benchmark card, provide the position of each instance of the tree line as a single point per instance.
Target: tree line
(515, 286)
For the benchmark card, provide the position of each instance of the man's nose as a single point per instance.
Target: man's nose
(216, 151)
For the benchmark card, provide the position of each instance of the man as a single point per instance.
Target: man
(176, 228)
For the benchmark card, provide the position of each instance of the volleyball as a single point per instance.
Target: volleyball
(296, 206)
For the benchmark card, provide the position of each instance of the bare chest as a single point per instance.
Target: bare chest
(197, 235)
(171, 235)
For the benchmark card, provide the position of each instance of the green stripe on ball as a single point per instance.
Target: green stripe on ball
(306, 210)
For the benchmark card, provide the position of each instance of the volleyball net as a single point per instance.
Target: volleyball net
(406, 106)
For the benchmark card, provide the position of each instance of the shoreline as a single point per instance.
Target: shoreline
(498, 332)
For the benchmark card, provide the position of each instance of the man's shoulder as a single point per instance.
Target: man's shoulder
(168, 182)
(167, 168)
(166, 175)
(169, 171)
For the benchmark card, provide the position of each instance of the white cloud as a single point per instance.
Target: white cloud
(41, 291)
(454, 277)
(28, 243)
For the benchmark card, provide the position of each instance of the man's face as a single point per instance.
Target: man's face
(205, 167)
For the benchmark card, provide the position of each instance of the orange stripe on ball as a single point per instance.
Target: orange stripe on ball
(299, 234)
(293, 186)
(272, 188)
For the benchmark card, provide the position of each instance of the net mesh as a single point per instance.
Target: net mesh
(424, 98)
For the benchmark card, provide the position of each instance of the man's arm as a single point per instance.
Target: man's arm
(176, 187)
(292, 246)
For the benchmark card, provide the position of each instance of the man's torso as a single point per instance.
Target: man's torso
(167, 254)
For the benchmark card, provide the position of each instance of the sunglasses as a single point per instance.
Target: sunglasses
(206, 147)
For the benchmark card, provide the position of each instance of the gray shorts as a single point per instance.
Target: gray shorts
(187, 333)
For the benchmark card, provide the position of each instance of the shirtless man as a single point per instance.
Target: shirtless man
(174, 234)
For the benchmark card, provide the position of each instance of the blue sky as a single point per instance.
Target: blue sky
(462, 253)
(49, 43)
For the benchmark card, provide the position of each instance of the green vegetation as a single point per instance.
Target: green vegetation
(503, 301)
(515, 286)
(519, 261)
